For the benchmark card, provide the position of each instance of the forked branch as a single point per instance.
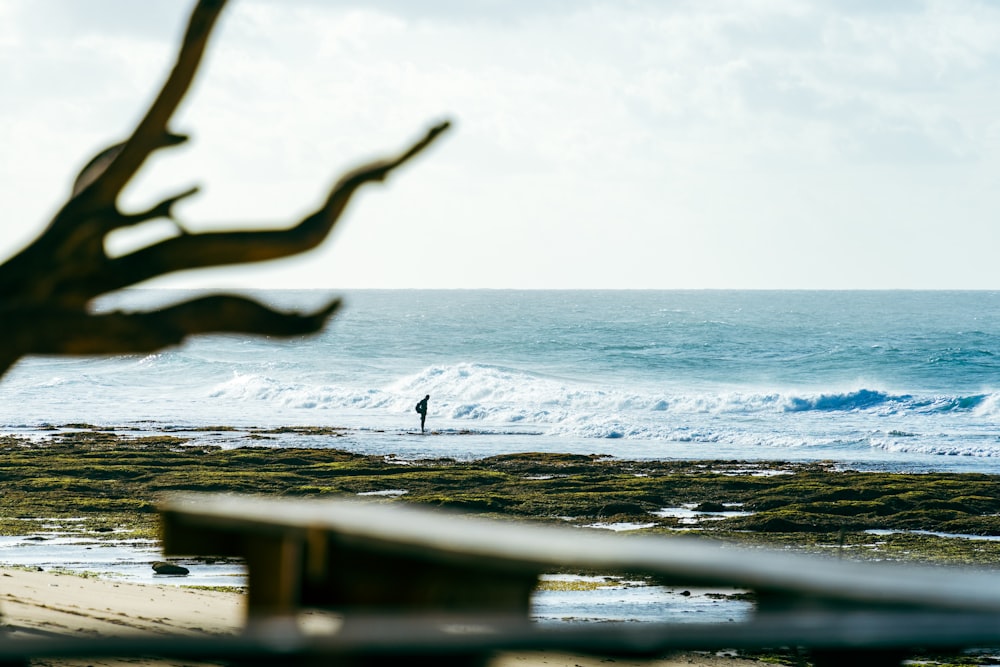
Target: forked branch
(46, 289)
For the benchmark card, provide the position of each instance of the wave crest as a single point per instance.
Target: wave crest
(483, 396)
(862, 399)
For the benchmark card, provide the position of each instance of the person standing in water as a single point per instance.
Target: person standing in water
(422, 410)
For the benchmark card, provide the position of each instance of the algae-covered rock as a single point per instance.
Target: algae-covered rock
(83, 481)
(622, 509)
(792, 522)
(709, 506)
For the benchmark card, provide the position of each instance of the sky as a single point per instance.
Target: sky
(620, 144)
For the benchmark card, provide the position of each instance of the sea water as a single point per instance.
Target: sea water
(897, 380)
(894, 380)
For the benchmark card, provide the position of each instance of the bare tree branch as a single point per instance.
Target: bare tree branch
(47, 288)
(152, 131)
(165, 209)
(71, 332)
(222, 248)
(100, 163)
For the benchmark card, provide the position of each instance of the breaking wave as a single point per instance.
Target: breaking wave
(490, 398)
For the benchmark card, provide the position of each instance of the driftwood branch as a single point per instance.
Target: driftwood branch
(47, 288)
(112, 333)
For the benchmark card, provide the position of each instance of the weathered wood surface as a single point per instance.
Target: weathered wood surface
(320, 541)
(372, 637)
(394, 570)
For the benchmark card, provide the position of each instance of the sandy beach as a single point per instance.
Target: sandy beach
(45, 604)
(65, 604)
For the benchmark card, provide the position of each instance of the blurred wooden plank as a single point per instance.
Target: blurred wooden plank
(417, 636)
(421, 558)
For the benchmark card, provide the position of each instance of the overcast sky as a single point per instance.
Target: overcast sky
(597, 144)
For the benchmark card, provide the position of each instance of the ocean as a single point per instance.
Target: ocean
(886, 380)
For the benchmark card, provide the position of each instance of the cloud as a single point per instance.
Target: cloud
(455, 11)
(618, 130)
(56, 19)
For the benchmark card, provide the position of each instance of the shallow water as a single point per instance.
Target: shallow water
(636, 601)
(131, 560)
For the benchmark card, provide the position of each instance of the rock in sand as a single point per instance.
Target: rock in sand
(168, 568)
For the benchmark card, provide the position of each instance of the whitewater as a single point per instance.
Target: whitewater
(897, 380)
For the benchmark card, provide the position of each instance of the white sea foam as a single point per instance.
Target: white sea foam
(989, 407)
(488, 398)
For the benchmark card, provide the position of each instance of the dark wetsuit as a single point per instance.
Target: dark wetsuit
(422, 409)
